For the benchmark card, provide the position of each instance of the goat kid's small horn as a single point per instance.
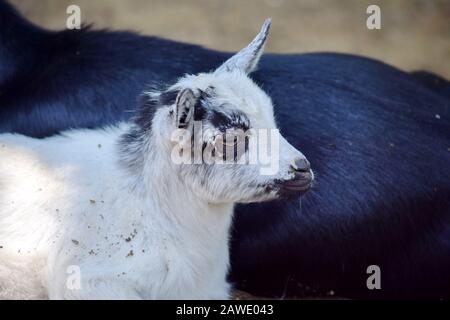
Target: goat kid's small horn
(247, 59)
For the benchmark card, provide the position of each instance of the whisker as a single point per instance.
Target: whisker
(300, 205)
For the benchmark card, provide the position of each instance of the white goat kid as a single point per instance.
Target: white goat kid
(107, 214)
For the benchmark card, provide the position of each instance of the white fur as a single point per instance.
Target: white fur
(66, 201)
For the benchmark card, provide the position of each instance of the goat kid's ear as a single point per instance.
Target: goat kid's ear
(185, 105)
(247, 59)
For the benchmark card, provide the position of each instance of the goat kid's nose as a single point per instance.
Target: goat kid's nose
(301, 165)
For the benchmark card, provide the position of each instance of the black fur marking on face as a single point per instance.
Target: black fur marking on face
(224, 121)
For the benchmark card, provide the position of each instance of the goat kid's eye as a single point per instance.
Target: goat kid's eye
(232, 146)
(226, 140)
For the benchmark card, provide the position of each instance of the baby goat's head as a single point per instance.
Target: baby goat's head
(219, 133)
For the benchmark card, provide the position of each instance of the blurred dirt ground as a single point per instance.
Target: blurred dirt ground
(415, 34)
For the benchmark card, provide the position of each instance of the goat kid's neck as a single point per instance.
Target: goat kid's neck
(155, 180)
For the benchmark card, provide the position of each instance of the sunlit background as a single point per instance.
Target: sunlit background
(415, 34)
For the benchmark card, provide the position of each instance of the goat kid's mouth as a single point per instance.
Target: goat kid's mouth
(297, 186)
